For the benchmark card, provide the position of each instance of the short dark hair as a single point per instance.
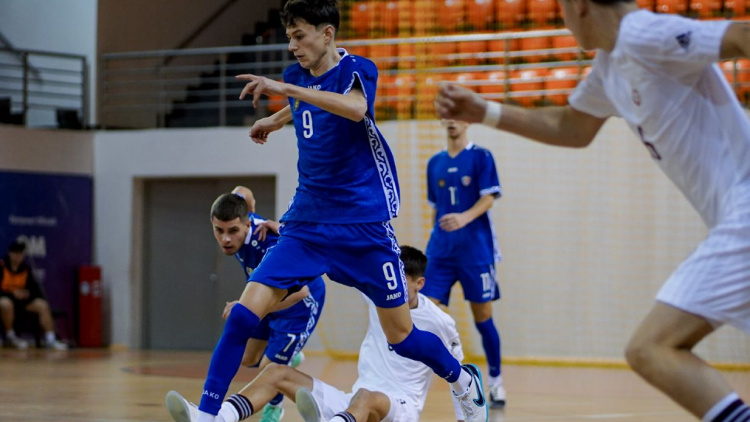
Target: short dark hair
(314, 12)
(415, 262)
(17, 246)
(229, 206)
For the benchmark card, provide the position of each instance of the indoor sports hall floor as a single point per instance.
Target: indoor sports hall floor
(104, 386)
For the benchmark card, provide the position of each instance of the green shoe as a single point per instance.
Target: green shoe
(297, 359)
(272, 413)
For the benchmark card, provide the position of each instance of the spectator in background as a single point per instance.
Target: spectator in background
(19, 291)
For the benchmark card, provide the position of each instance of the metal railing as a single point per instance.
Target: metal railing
(42, 88)
(198, 88)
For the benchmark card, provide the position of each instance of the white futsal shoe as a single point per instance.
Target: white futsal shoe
(308, 407)
(497, 397)
(181, 409)
(473, 403)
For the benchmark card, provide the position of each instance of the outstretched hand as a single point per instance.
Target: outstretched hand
(455, 102)
(260, 85)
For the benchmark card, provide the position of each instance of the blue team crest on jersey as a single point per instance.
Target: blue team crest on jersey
(466, 180)
(296, 104)
(441, 183)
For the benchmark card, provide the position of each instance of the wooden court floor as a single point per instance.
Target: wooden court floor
(115, 386)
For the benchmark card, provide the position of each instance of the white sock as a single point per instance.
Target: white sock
(493, 381)
(718, 407)
(337, 419)
(462, 384)
(49, 337)
(205, 417)
(10, 334)
(227, 413)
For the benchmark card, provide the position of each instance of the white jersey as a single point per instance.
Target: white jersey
(382, 369)
(662, 78)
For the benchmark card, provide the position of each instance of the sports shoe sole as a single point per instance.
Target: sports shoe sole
(177, 407)
(307, 406)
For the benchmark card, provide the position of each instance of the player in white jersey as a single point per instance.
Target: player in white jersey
(659, 73)
(389, 388)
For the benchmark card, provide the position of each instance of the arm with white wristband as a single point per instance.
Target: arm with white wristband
(492, 113)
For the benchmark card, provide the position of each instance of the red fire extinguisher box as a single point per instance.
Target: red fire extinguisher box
(89, 306)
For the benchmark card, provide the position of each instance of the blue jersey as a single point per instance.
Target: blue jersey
(346, 169)
(454, 185)
(253, 251)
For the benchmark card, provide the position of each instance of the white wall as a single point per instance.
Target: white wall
(63, 26)
(121, 158)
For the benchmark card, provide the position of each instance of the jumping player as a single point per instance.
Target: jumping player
(338, 221)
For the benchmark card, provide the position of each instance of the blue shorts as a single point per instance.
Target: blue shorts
(477, 281)
(287, 331)
(364, 256)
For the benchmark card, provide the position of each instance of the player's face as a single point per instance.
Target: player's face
(16, 258)
(307, 43)
(454, 128)
(413, 286)
(230, 234)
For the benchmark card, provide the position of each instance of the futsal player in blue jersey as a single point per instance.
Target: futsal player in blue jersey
(282, 334)
(462, 185)
(338, 222)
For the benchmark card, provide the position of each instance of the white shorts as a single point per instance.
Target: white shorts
(332, 401)
(714, 281)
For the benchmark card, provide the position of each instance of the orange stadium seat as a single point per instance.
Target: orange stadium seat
(375, 25)
(438, 53)
(493, 83)
(471, 48)
(561, 78)
(450, 15)
(705, 8)
(360, 15)
(385, 104)
(480, 13)
(672, 6)
(424, 17)
(406, 17)
(465, 78)
(404, 91)
(567, 42)
(541, 12)
(534, 46)
(509, 14)
(406, 55)
(499, 47)
(384, 55)
(389, 18)
(427, 85)
(743, 80)
(646, 4)
(527, 80)
(736, 8)
(359, 50)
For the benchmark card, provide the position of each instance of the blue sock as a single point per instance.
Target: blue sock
(227, 357)
(276, 400)
(491, 344)
(426, 347)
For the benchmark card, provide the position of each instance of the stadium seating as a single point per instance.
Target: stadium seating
(561, 79)
(450, 15)
(541, 12)
(523, 81)
(469, 51)
(510, 14)
(480, 14)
